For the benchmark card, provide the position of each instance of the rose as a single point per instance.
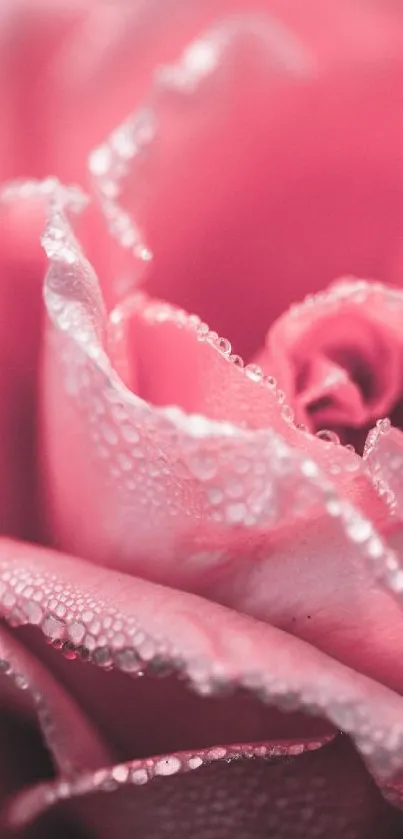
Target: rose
(230, 504)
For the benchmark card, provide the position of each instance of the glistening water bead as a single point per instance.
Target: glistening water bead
(328, 436)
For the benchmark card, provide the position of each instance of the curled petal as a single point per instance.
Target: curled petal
(168, 175)
(338, 356)
(139, 623)
(289, 788)
(182, 498)
(383, 455)
(57, 714)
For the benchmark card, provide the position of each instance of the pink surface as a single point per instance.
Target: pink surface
(201, 414)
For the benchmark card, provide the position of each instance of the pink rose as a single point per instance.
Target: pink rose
(234, 528)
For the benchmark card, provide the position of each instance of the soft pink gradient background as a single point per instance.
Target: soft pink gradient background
(215, 539)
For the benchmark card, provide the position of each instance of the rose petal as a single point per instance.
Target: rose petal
(21, 272)
(100, 54)
(125, 703)
(37, 721)
(214, 647)
(217, 194)
(325, 792)
(57, 714)
(383, 454)
(338, 355)
(168, 357)
(32, 34)
(191, 485)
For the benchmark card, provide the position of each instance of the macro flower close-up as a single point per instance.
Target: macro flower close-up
(201, 419)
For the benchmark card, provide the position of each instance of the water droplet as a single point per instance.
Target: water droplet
(224, 346)
(138, 776)
(102, 657)
(237, 360)
(359, 529)
(215, 495)
(328, 436)
(195, 762)
(128, 660)
(76, 631)
(203, 466)
(287, 413)
(235, 513)
(53, 627)
(241, 465)
(202, 331)
(216, 753)
(33, 611)
(69, 651)
(167, 766)
(384, 425)
(109, 434)
(254, 372)
(333, 507)
(124, 462)
(120, 773)
(270, 382)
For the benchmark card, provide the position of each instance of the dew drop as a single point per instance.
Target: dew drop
(359, 529)
(224, 346)
(69, 651)
(102, 657)
(203, 466)
(124, 462)
(130, 434)
(236, 360)
(128, 660)
(287, 413)
(217, 753)
(167, 766)
(328, 436)
(120, 773)
(384, 425)
(33, 611)
(236, 513)
(76, 631)
(53, 627)
(109, 434)
(202, 331)
(241, 465)
(139, 776)
(195, 762)
(254, 372)
(215, 496)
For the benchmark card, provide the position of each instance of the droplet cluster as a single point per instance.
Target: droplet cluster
(140, 772)
(383, 456)
(182, 469)
(352, 291)
(109, 165)
(49, 725)
(82, 626)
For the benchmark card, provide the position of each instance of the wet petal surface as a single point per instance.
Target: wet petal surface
(169, 174)
(118, 621)
(324, 791)
(338, 358)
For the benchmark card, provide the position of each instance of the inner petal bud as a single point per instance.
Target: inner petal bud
(338, 357)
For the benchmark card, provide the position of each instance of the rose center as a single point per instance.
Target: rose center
(338, 357)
